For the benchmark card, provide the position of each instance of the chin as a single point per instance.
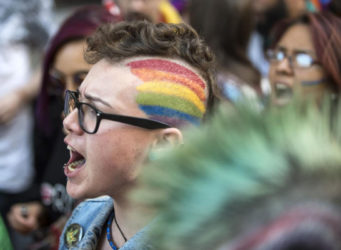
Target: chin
(76, 192)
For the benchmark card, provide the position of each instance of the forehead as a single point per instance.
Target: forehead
(70, 57)
(297, 36)
(111, 82)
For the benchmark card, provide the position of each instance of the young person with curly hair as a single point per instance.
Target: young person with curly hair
(148, 82)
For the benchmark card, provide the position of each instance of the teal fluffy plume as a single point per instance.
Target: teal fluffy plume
(245, 175)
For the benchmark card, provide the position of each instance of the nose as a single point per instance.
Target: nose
(71, 123)
(69, 84)
(284, 67)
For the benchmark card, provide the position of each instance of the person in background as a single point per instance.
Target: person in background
(226, 26)
(148, 83)
(155, 10)
(306, 56)
(24, 31)
(250, 180)
(268, 14)
(64, 68)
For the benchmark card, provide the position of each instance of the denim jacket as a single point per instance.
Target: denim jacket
(91, 215)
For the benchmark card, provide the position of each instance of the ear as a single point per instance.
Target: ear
(168, 137)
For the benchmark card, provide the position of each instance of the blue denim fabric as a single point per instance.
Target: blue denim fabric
(92, 214)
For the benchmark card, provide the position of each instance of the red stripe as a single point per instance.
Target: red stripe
(167, 66)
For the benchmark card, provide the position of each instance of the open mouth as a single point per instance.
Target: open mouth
(283, 92)
(75, 162)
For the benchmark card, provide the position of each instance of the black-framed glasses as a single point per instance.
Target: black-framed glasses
(299, 59)
(90, 117)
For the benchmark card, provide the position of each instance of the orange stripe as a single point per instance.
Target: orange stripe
(167, 66)
(155, 75)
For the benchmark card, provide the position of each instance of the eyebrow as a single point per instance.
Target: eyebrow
(297, 51)
(281, 48)
(310, 52)
(95, 99)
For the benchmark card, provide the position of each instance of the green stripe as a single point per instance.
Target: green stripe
(168, 101)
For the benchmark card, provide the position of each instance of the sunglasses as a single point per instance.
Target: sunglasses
(299, 59)
(89, 117)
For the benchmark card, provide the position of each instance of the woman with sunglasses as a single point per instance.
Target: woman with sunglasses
(64, 68)
(306, 56)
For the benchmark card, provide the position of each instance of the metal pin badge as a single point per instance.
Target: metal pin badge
(73, 235)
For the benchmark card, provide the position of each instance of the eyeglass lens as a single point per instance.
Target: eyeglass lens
(69, 104)
(303, 60)
(87, 115)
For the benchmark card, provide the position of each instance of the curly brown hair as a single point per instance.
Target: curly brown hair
(123, 40)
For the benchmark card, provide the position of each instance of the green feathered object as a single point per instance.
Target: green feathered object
(246, 176)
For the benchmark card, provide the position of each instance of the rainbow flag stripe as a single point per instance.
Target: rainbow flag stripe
(167, 66)
(153, 75)
(155, 99)
(173, 90)
(161, 111)
(169, 91)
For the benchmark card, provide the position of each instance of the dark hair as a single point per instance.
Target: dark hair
(325, 28)
(79, 25)
(226, 25)
(141, 38)
(335, 7)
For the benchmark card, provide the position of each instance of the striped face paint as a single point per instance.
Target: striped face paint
(313, 83)
(170, 92)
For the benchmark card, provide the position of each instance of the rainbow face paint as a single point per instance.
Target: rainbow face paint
(313, 83)
(170, 92)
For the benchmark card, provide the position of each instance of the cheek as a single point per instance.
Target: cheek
(272, 73)
(313, 74)
(312, 82)
(123, 150)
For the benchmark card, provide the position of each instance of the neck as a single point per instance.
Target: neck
(131, 218)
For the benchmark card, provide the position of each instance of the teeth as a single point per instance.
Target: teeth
(283, 91)
(281, 86)
(72, 165)
(70, 150)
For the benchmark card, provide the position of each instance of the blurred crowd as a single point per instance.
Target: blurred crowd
(270, 137)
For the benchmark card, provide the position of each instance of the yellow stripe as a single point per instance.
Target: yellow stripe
(170, 88)
(150, 75)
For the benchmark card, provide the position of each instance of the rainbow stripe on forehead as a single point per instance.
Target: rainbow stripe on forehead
(170, 92)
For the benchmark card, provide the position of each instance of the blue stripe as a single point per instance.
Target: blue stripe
(307, 83)
(156, 110)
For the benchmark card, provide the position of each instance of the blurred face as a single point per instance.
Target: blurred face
(69, 68)
(149, 8)
(294, 66)
(106, 163)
